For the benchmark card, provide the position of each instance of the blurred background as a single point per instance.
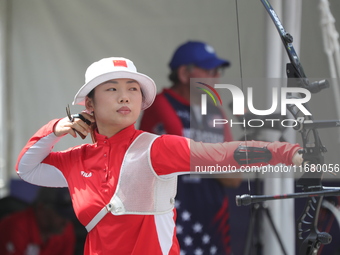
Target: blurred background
(46, 46)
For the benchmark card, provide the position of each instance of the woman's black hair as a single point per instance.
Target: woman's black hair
(93, 124)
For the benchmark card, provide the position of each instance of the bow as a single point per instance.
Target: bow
(308, 237)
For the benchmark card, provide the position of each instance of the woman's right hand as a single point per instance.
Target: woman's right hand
(65, 126)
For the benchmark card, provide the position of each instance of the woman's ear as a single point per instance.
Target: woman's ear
(183, 74)
(89, 104)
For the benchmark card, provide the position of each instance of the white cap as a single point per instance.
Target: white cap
(115, 68)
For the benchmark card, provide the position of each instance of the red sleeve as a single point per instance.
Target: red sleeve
(223, 153)
(42, 132)
(161, 113)
(171, 154)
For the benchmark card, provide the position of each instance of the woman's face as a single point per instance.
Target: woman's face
(116, 105)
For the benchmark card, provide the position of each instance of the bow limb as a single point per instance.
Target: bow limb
(308, 236)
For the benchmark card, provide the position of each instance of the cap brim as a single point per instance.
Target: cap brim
(213, 63)
(148, 86)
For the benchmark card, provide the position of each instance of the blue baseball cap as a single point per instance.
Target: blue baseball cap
(197, 53)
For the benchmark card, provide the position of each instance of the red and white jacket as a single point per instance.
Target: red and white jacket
(91, 172)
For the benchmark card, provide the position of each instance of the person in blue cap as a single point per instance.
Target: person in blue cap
(201, 203)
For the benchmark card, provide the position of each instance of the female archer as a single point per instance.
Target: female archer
(123, 185)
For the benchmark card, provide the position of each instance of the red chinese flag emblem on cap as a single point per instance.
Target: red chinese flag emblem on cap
(119, 63)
